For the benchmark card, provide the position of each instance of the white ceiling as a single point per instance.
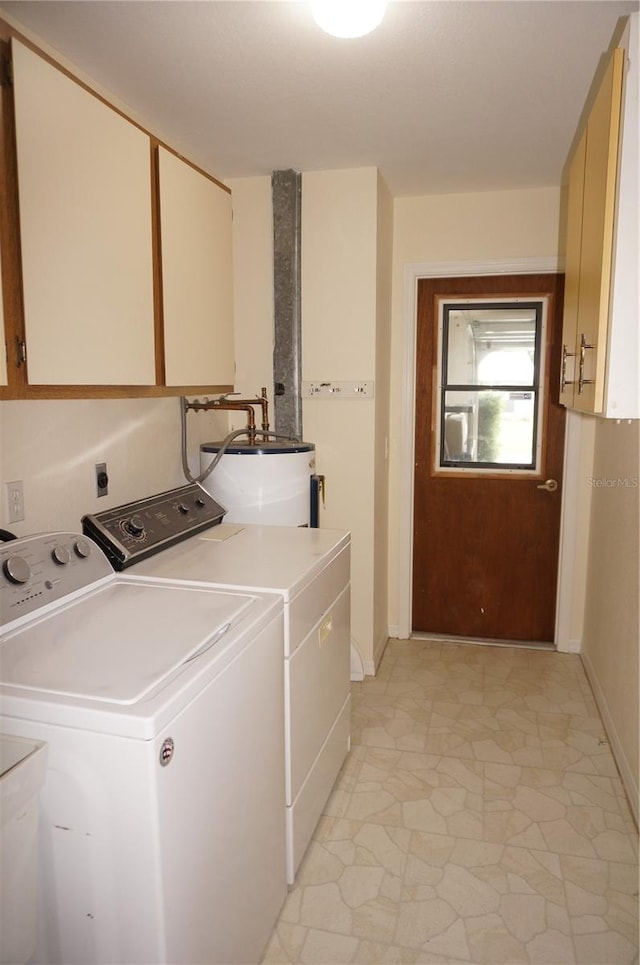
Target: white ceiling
(445, 96)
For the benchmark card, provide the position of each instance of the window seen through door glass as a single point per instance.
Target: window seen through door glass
(489, 385)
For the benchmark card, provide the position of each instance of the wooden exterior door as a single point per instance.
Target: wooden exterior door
(486, 539)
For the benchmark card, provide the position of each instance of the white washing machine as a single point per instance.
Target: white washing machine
(310, 570)
(22, 770)
(162, 836)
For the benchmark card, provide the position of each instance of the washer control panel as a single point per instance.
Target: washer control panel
(38, 570)
(133, 531)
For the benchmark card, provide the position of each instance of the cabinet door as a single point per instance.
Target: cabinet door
(598, 210)
(197, 282)
(569, 371)
(84, 182)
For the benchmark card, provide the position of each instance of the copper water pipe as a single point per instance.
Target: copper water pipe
(243, 405)
(260, 400)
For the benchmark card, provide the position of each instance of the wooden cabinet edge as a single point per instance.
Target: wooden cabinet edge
(33, 392)
(10, 227)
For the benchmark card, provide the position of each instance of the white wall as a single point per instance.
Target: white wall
(499, 225)
(253, 288)
(382, 397)
(53, 446)
(339, 318)
(611, 617)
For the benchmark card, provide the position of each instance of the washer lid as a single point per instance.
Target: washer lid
(117, 643)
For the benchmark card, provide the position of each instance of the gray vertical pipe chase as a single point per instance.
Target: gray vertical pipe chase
(286, 196)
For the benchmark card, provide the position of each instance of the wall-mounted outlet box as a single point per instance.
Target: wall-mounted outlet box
(15, 501)
(102, 479)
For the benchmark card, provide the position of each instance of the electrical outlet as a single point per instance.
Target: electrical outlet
(102, 479)
(15, 501)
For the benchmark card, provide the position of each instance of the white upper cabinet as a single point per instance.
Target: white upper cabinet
(197, 275)
(84, 187)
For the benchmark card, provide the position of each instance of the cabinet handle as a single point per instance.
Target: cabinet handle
(564, 381)
(581, 379)
(21, 353)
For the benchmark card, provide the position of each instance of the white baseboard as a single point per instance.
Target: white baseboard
(380, 648)
(371, 666)
(570, 645)
(357, 663)
(633, 792)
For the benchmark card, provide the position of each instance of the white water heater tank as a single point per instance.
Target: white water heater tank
(267, 482)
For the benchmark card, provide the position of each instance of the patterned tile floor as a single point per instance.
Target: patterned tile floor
(479, 818)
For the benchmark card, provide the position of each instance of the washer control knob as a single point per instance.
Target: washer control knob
(183, 509)
(60, 555)
(16, 569)
(82, 548)
(134, 526)
(200, 502)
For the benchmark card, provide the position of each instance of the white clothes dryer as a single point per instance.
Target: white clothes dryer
(310, 570)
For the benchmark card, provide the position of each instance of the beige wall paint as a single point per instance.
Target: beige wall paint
(253, 288)
(382, 400)
(347, 219)
(339, 251)
(339, 292)
(611, 618)
(53, 447)
(499, 225)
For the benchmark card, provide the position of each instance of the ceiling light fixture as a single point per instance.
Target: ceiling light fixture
(348, 18)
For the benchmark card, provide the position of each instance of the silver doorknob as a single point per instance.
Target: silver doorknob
(550, 485)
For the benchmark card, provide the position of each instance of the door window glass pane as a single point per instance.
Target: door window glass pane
(490, 377)
(489, 427)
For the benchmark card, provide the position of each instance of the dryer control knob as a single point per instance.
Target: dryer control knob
(183, 509)
(60, 555)
(16, 569)
(82, 548)
(134, 526)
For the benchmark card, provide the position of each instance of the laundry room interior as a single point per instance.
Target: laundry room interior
(364, 241)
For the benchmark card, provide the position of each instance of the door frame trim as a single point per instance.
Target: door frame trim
(413, 272)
